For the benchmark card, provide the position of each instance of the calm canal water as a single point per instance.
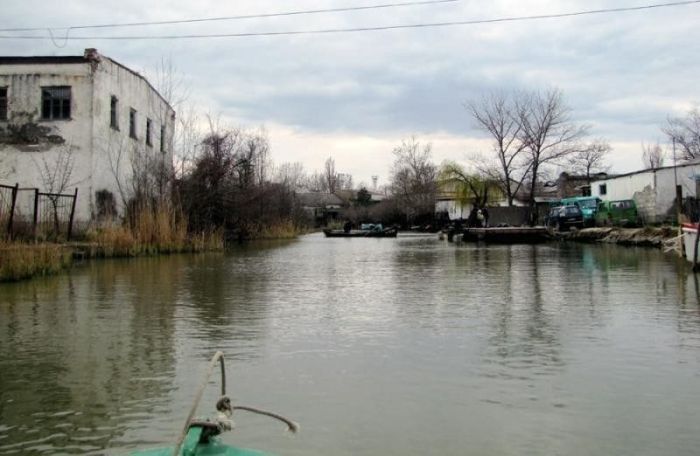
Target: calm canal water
(376, 346)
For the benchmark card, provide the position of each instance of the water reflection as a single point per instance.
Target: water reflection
(548, 349)
(79, 352)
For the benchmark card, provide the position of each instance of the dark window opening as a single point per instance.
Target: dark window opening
(603, 189)
(162, 138)
(132, 123)
(3, 103)
(55, 102)
(114, 113)
(148, 132)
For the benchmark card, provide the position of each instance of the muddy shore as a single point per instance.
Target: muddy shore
(647, 236)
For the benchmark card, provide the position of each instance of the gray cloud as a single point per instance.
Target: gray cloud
(621, 73)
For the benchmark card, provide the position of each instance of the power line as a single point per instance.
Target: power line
(233, 18)
(368, 29)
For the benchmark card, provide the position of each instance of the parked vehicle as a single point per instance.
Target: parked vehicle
(563, 218)
(621, 213)
(588, 205)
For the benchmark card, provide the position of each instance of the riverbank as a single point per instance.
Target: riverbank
(22, 261)
(646, 236)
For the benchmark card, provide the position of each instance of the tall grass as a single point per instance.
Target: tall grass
(20, 261)
(151, 231)
(283, 229)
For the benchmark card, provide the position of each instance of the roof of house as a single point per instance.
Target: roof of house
(641, 171)
(37, 60)
(319, 199)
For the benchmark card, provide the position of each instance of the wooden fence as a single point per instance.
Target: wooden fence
(31, 213)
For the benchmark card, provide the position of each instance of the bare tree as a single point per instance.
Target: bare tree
(291, 175)
(496, 115)
(547, 133)
(591, 159)
(685, 132)
(56, 174)
(652, 155)
(330, 176)
(414, 179)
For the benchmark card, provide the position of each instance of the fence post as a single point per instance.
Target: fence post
(72, 214)
(36, 212)
(12, 211)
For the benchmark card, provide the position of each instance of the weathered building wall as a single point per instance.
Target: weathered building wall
(654, 191)
(31, 146)
(115, 152)
(101, 157)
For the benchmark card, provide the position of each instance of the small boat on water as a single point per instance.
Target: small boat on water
(385, 232)
(200, 437)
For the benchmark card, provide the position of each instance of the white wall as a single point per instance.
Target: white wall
(654, 191)
(23, 164)
(97, 151)
(114, 151)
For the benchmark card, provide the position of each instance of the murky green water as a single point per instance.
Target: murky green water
(376, 346)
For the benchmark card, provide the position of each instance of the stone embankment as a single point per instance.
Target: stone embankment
(647, 236)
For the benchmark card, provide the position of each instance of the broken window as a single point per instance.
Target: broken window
(55, 102)
(3, 103)
(148, 132)
(114, 113)
(132, 123)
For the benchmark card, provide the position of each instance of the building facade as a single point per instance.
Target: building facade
(653, 190)
(84, 122)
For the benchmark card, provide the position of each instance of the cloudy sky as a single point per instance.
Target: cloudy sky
(354, 96)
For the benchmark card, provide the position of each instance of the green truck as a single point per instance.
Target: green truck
(618, 213)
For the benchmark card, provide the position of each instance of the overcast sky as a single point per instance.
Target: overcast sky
(354, 96)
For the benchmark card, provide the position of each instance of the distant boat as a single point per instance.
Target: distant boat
(386, 232)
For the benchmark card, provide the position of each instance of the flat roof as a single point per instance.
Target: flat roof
(652, 170)
(72, 59)
(4, 60)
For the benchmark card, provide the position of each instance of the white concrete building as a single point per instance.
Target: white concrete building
(82, 122)
(653, 190)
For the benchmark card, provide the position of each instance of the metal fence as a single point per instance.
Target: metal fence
(31, 213)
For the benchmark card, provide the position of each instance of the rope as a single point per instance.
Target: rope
(224, 403)
(218, 356)
(293, 427)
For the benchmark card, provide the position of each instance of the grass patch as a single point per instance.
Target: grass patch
(20, 261)
(152, 231)
(285, 229)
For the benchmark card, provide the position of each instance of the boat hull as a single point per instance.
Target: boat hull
(361, 233)
(507, 235)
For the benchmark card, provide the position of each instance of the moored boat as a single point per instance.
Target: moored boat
(386, 232)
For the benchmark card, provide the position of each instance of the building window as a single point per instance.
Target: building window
(148, 132)
(55, 102)
(114, 112)
(132, 123)
(162, 138)
(603, 189)
(3, 103)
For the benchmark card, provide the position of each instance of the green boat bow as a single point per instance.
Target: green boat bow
(200, 438)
